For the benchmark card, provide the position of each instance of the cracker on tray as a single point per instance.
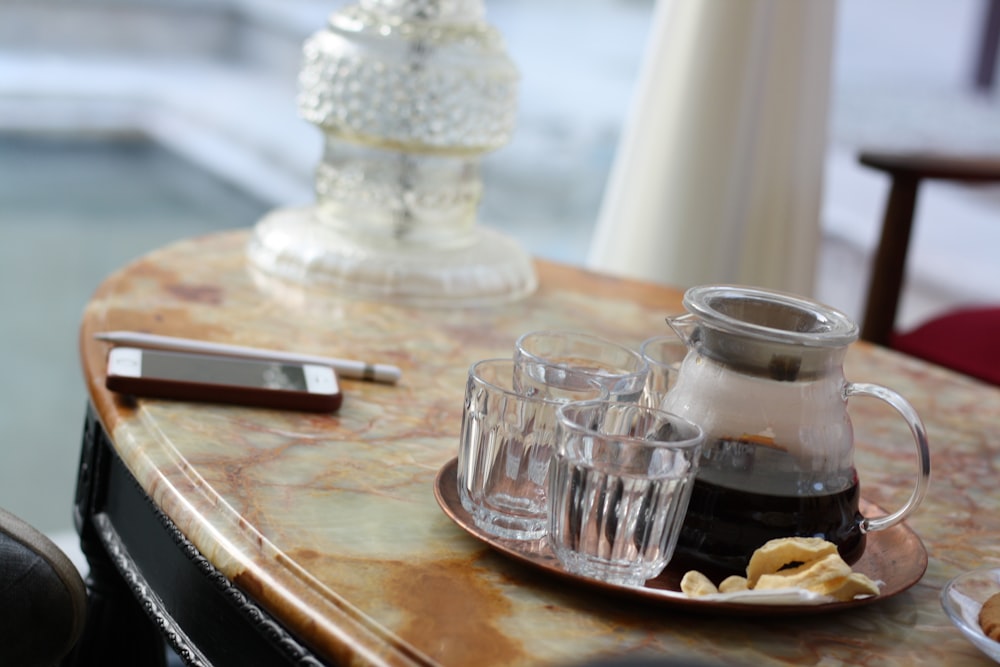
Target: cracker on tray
(808, 563)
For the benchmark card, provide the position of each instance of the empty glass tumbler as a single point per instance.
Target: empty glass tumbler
(564, 358)
(664, 354)
(619, 486)
(507, 441)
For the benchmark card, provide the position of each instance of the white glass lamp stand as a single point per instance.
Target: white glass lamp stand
(409, 96)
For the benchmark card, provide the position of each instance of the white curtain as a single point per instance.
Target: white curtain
(718, 176)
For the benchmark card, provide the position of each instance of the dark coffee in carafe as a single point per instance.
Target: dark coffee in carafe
(725, 523)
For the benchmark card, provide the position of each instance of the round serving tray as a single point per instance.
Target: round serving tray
(895, 557)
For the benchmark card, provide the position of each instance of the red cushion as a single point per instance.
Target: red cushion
(965, 340)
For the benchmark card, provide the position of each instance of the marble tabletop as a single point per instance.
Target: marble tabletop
(330, 522)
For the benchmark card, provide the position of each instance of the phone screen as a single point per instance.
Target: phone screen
(215, 370)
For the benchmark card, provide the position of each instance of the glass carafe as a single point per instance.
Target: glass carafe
(764, 378)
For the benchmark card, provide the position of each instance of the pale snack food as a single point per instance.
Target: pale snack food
(856, 584)
(779, 554)
(808, 563)
(733, 583)
(695, 584)
(989, 617)
(824, 575)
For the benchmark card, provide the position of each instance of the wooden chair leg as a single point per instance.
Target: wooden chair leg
(890, 260)
(988, 48)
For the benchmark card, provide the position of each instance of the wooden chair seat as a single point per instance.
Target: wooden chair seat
(966, 340)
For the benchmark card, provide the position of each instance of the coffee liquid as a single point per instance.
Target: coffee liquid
(724, 526)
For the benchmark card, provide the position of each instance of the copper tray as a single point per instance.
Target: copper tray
(895, 556)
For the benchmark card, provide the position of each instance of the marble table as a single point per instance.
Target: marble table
(250, 536)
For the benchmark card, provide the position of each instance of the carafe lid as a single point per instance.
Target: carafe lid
(768, 332)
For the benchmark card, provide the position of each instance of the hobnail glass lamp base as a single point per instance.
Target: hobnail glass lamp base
(486, 268)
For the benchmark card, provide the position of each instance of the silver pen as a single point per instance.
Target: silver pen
(348, 368)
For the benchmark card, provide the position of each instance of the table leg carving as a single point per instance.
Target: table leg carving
(117, 631)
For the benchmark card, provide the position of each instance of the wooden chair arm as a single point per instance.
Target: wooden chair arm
(934, 166)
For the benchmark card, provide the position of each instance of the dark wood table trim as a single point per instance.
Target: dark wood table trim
(148, 584)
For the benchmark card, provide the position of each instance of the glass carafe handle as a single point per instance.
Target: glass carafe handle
(906, 410)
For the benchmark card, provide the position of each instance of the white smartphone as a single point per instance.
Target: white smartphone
(222, 379)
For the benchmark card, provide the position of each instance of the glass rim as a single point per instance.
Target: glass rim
(695, 440)
(643, 364)
(670, 339)
(509, 391)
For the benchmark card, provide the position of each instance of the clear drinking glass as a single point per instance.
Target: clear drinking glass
(506, 444)
(619, 485)
(544, 359)
(664, 355)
